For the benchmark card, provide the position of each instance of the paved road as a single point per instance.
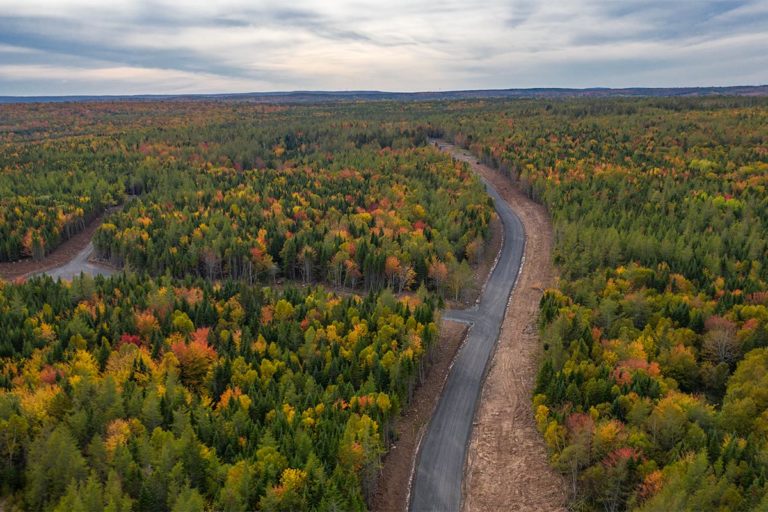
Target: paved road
(79, 264)
(437, 480)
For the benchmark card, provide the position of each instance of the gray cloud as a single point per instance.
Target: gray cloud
(65, 38)
(133, 46)
(682, 21)
(520, 12)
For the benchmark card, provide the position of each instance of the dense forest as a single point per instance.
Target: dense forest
(203, 377)
(252, 194)
(651, 395)
(61, 167)
(216, 373)
(139, 394)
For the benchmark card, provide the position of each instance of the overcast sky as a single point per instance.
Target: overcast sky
(51, 47)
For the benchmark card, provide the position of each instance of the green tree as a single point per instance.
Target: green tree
(54, 463)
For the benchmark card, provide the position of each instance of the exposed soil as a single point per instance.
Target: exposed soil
(59, 256)
(393, 483)
(507, 465)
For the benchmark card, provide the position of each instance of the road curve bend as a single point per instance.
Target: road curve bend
(80, 263)
(439, 470)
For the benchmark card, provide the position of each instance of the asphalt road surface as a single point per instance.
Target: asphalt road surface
(79, 264)
(439, 471)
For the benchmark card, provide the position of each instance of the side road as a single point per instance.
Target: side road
(80, 263)
(66, 261)
(437, 480)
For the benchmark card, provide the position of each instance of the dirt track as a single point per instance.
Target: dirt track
(63, 260)
(507, 467)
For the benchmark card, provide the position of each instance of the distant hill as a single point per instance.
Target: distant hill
(325, 96)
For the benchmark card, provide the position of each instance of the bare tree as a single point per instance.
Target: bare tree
(307, 256)
(720, 342)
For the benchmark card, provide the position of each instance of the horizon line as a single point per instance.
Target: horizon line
(760, 89)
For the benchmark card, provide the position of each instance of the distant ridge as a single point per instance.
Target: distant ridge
(326, 96)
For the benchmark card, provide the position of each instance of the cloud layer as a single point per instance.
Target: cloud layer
(159, 46)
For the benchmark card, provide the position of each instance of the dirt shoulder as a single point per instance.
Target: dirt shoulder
(59, 256)
(507, 466)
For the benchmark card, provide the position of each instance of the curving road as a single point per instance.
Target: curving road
(439, 470)
(80, 263)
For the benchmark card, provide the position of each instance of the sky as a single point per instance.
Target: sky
(65, 47)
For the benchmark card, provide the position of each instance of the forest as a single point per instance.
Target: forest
(651, 395)
(285, 265)
(283, 271)
(139, 394)
(228, 196)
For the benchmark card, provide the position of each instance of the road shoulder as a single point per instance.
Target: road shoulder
(507, 467)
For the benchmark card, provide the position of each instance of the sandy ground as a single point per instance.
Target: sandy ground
(507, 466)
